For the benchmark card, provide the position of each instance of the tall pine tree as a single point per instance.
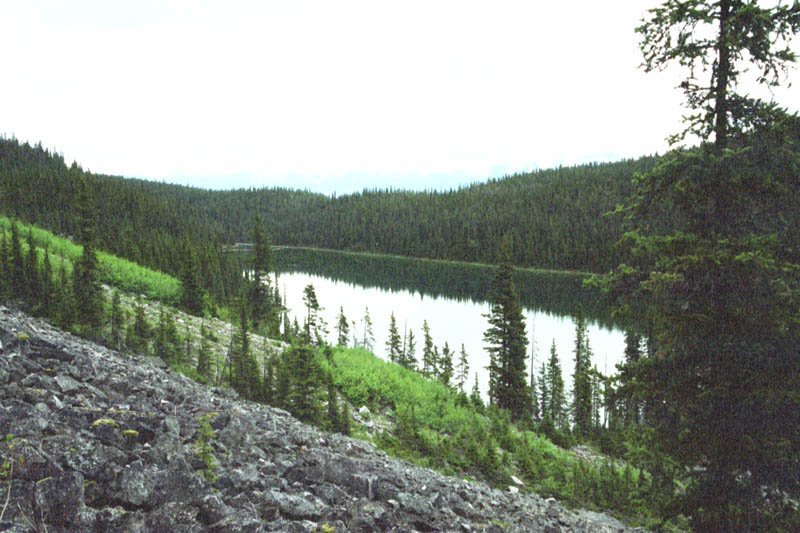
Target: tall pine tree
(342, 328)
(582, 380)
(446, 365)
(429, 369)
(261, 297)
(721, 281)
(86, 286)
(506, 341)
(462, 369)
(393, 342)
(556, 401)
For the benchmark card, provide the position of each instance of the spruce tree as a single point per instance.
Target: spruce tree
(86, 273)
(117, 321)
(342, 329)
(17, 266)
(188, 340)
(204, 353)
(720, 280)
(334, 416)
(245, 377)
(369, 338)
(46, 280)
(582, 380)
(303, 397)
(446, 365)
(506, 341)
(283, 379)
(462, 369)
(429, 369)
(556, 402)
(344, 423)
(268, 382)
(167, 342)
(535, 414)
(410, 351)
(313, 324)
(597, 398)
(32, 283)
(475, 395)
(261, 293)
(287, 328)
(192, 294)
(534, 392)
(5, 268)
(63, 304)
(139, 333)
(544, 394)
(630, 403)
(393, 347)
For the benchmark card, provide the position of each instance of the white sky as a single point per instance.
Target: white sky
(332, 96)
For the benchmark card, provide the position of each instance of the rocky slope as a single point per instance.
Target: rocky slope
(108, 442)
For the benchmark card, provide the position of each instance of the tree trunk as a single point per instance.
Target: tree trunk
(723, 72)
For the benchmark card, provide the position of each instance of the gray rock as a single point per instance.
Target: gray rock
(136, 485)
(59, 499)
(212, 509)
(243, 521)
(415, 503)
(33, 464)
(172, 425)
(66, 384)
(295, 507)
(174, 516)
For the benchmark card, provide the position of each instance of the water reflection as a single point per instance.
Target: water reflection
(450, 297)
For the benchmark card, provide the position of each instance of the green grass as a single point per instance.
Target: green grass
(436, 428)
(120, 273)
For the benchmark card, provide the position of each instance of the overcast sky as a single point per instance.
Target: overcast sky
(332, 96)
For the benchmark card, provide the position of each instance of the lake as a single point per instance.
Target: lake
(451, 297)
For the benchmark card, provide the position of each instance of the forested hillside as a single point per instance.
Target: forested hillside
(554, 217)
(156, 225)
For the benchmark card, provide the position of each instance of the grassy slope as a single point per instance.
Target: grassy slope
(434, 428)
(120, 273)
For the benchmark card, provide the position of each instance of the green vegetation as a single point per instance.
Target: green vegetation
(114, 271)
(105, 422)
(506, 341)
(721, 285)
(461, 225)
(439, 428)
(203, 449)
(7, 468)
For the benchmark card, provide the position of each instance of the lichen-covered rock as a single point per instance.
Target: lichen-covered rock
(59, 500)
(107, 443)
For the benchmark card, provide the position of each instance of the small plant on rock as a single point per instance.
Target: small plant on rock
(202, 447)
(7, 469)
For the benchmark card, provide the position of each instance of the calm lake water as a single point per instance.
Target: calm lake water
(455, 320)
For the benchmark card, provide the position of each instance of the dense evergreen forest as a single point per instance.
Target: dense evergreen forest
(553, 217)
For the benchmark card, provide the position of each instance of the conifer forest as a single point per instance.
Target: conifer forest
(694, 253)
